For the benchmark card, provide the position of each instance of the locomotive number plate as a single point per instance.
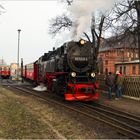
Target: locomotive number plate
(81, 59)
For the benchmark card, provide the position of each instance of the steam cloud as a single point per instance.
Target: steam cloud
(82, 11)
(40, 88)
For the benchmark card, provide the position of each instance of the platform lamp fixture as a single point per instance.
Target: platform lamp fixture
(19, 30)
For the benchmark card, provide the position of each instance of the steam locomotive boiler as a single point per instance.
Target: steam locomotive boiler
(69, 70)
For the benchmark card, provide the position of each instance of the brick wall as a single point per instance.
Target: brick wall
(109, 58)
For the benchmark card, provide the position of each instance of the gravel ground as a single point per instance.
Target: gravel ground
(124, 104)
(55, 121)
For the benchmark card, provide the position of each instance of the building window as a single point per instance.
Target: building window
(128, 54)
(121, 69)
(124, 70)
(106, 54)
(131, 54)
(106, 62)
(133, 69)
(106, 71)
(118, 52)
(136, 55)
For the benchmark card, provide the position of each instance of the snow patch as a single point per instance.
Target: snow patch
(40, 88)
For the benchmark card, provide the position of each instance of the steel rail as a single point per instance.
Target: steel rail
(119, 111)
(114, 112)
(112, 120)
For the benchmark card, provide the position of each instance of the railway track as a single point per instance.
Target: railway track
(125, 123)
(128, 123)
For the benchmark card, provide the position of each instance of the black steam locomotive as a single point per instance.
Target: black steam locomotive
(69, 70)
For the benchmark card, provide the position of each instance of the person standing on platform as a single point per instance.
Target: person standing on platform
(119, 84)
(110, 82)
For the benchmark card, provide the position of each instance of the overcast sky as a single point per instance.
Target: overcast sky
(32, 17)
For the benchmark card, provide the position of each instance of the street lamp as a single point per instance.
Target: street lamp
(19, 30)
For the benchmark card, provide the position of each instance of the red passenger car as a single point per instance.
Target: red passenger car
(5, 71)
(30, 71)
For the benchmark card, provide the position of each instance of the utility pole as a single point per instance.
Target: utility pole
(19, 30)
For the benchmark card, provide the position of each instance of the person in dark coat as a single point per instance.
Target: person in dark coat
(110, 81)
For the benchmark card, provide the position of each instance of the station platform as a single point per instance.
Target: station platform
(125, 104)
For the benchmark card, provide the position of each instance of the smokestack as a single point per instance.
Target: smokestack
(53, 48)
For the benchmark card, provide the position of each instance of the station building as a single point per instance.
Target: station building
(119, 54)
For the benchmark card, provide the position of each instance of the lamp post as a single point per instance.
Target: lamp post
(19, 30)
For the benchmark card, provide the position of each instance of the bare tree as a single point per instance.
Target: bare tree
(60, 23)
(69, 2)
(2, 9)
(125, 20)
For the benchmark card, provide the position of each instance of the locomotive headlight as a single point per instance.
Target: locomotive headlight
(82, 42)
(73, 74)
(93, 74)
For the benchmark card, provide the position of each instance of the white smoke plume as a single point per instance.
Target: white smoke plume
(82, 11)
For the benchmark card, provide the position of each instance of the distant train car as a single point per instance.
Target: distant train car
(30, 71)
(5, 71)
